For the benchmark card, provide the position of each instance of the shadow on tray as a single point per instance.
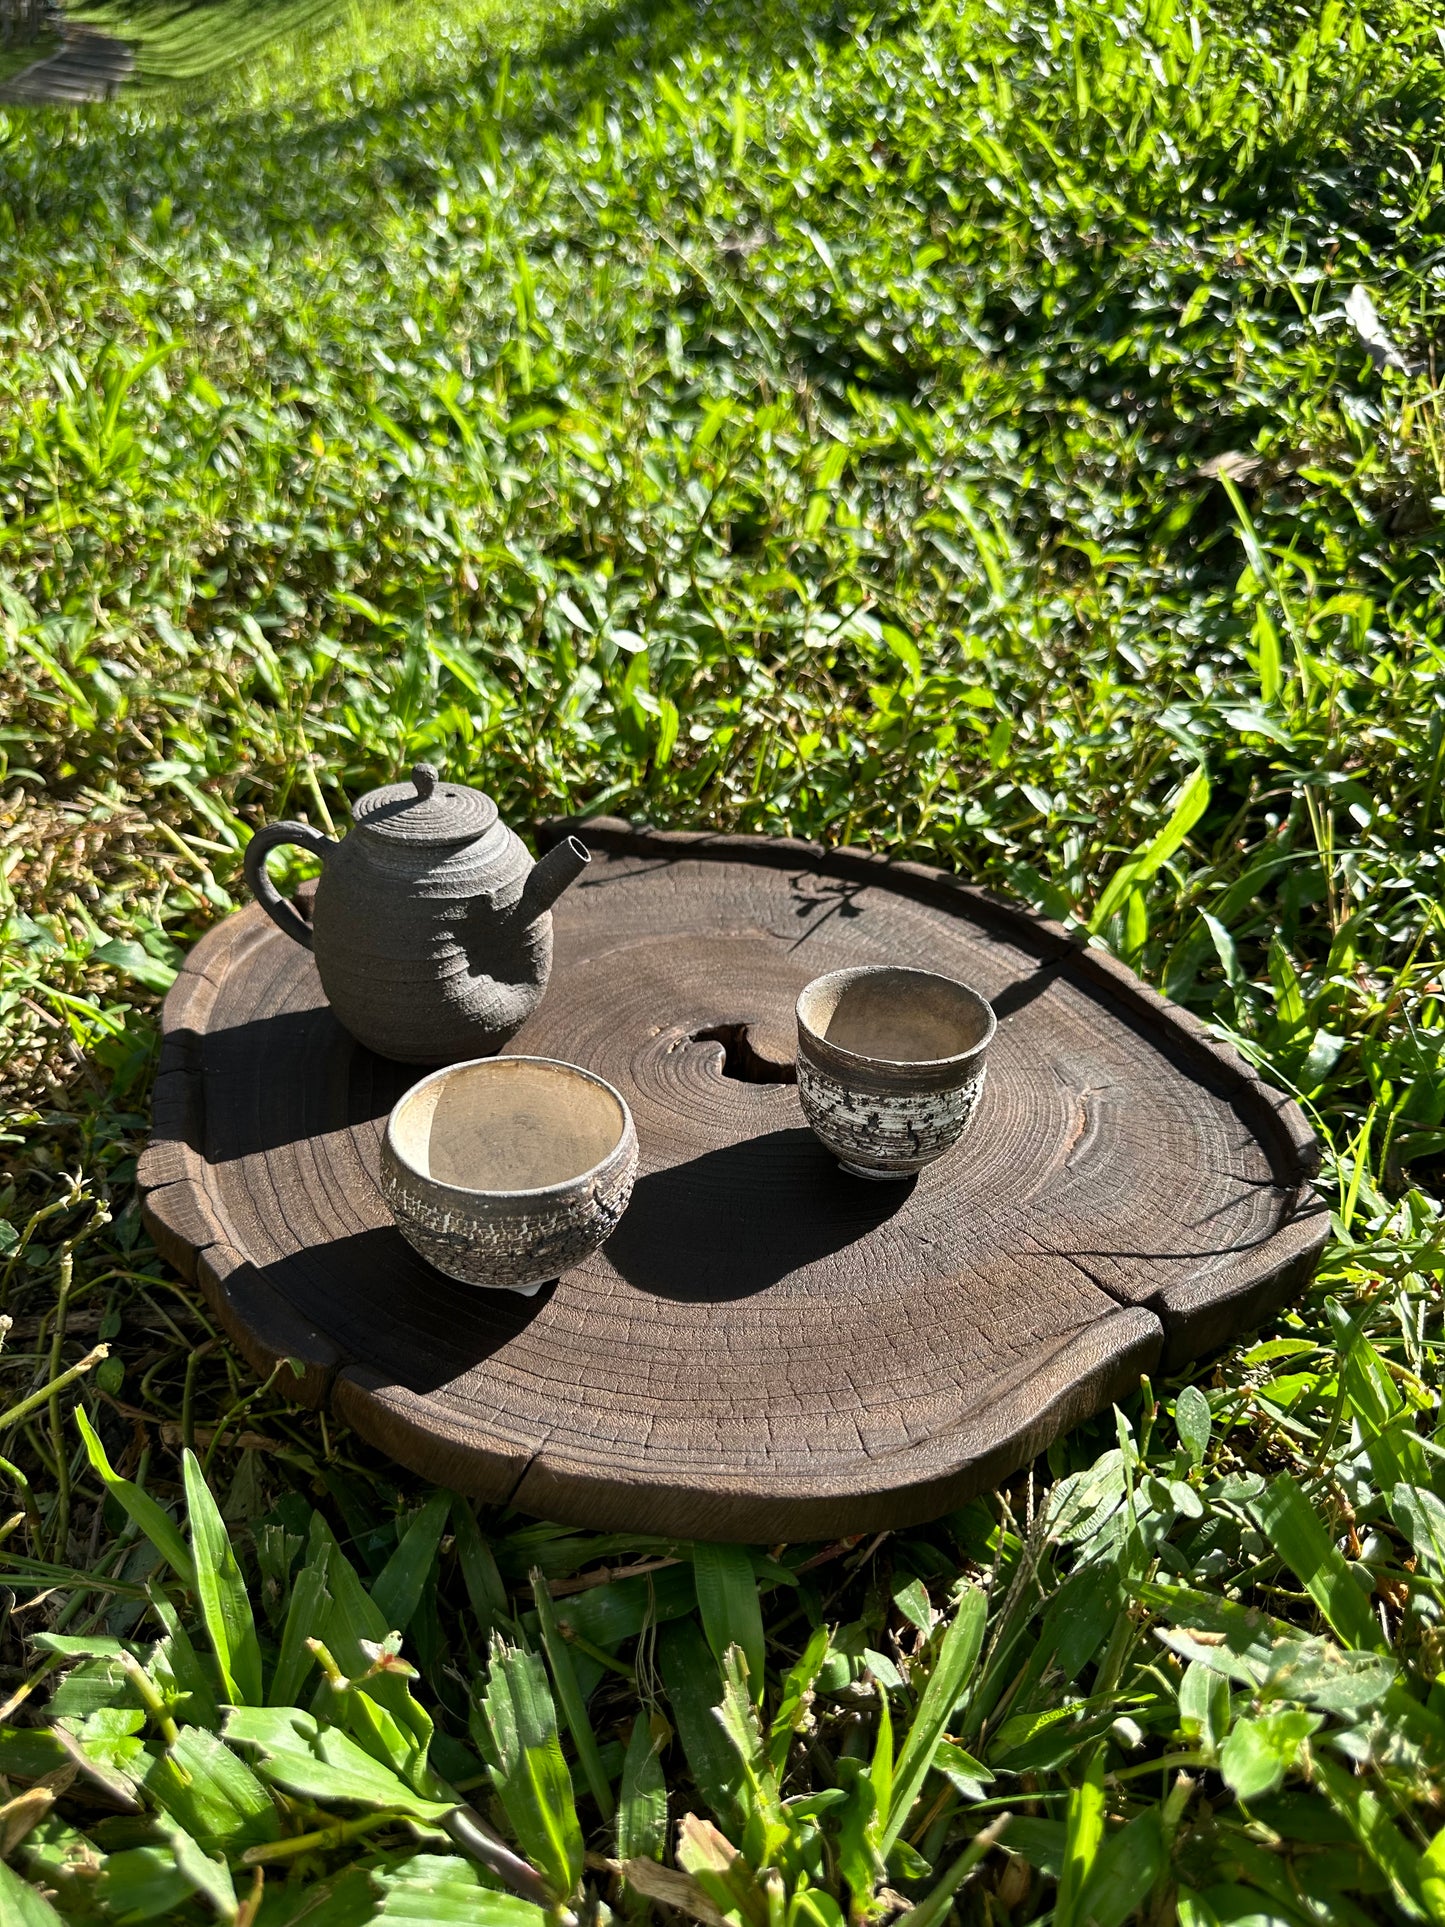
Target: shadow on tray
(737, 1220)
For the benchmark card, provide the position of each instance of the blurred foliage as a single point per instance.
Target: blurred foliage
(1007, 437)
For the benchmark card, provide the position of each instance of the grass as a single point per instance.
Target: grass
(195, 56)
(951, 429)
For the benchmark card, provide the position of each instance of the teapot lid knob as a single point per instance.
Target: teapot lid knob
(426, 810)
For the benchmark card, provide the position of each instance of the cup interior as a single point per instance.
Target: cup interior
(507, 1124)
(896, 1016)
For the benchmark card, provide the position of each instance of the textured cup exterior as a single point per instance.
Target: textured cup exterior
(890, 1064)
(510, 1241)
(887, 1128)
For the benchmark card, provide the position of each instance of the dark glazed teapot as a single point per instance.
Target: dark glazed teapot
(431, 927)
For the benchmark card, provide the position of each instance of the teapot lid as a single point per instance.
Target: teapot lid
(426, 810)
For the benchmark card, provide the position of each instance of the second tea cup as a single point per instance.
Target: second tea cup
(891, 1065)
(506, 1171)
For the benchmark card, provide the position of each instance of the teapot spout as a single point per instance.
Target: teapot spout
(549, 877)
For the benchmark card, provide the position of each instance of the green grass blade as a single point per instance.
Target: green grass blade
(210, 1878)
(694, 1690)
(937, 1904)
(727, 1597)
(156, 1524)
(1382, 1840)
(21, 1905)
(642, 1805)
(306, 1614)
(485, 1590)
(531, 1775)
(1083, 1835)
(1189, 806)
(793, 1701)
(1128, 1864)
(574, 1707)
(221, 1592)
(957, 1656)
(396, 1592)
(1293, 1529)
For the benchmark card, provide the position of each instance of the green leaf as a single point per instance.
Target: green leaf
(1382, 1840)
(1318, 1673)
(306, 1614)
(214, 1795)
(1238, 1640)
(859, 1830)
(140, 1884)
(727, 1597)
(221, 1591)
(694, 1690)
(21, 1906)
(530, 1774)
(157, 1525)
(443, 1890)
(607, 1615)
(721, 1871)
(1293, 1529)
(210, 1878)
(1259, 1752)
(347, 1899)
(794, 1699)
(354, 1626)
(323, 1764)
(1083, 1833)
(1386, 1423)
(1127, 1865)
(178, 1668)
(765, 1830)
(916, 1607)
(397, 1590)
(642, 1807)
(28, 1751)
(1204, 1706)
(1420, 1515)
(574, 1707)
(379, 1733)
(1189, 805)
(1193, 1422)
(881, 1769)
(485, 1591)
(958, 1653)
(962, 1771)
(1432, 1877)
(132, 960)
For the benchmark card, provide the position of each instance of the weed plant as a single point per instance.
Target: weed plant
(1003, 435)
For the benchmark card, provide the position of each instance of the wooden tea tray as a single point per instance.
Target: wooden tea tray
(767, 1349)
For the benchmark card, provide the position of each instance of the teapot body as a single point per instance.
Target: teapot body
(421, 953)
(431, 925)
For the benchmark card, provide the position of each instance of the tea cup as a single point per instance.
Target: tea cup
(504, 1172)
(891, 1065)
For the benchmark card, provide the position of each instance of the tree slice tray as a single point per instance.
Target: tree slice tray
(767, 1348)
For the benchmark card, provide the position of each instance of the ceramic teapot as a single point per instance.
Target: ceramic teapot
(432, 926)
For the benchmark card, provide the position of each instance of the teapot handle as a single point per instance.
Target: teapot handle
(282, 912)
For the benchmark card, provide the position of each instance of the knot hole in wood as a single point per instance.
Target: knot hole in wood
(748, 1061)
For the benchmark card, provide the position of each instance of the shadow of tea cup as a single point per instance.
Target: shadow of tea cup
(506, 1171)
(891, 1065)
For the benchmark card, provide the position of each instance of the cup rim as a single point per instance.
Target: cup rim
(853, 973)
(564, 1185)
